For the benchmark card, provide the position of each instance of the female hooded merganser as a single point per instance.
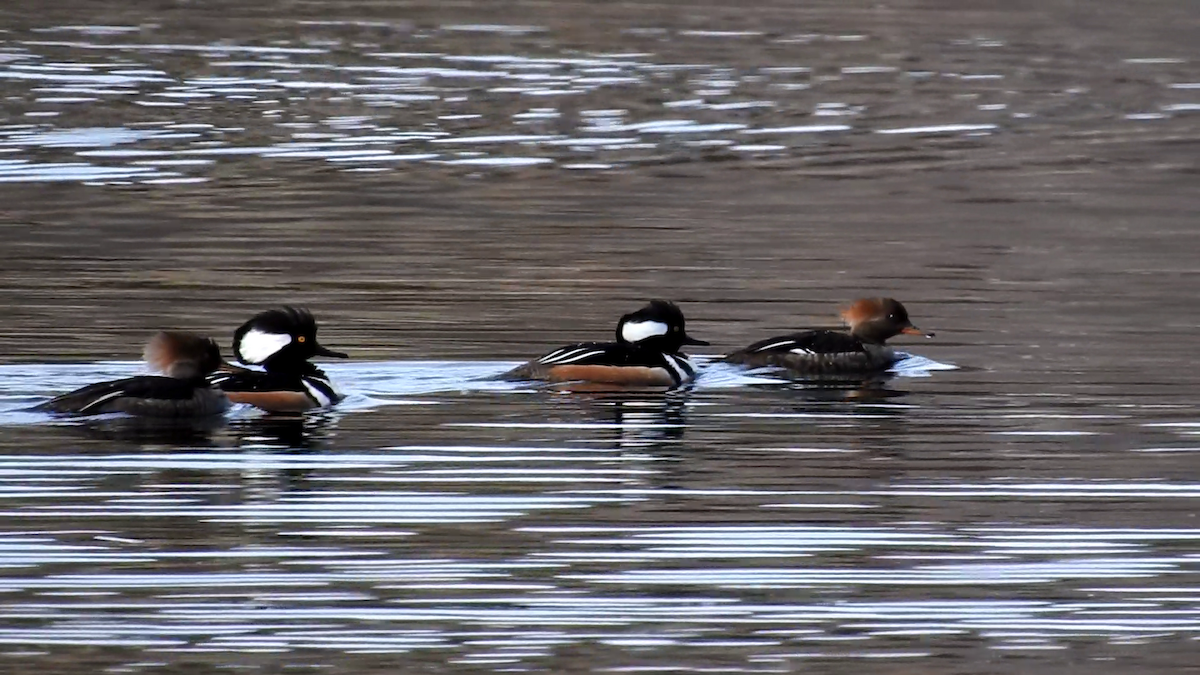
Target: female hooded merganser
(825, 352)
(646, 353)
(281, 341)
(182, 391)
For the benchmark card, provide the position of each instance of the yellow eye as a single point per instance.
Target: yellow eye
(300, 339)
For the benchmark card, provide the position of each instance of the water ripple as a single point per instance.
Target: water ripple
(425, 83)
(1008, 501)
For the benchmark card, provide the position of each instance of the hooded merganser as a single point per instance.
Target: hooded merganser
(825, 352)
(182, 391)
(281, 341)
(646, 353)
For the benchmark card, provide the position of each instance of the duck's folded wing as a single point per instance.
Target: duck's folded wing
(818, 352)
(243, 379)
(807, 343)
(142, 395)
(609, 362)
(580, 354)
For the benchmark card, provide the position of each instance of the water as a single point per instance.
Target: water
(455, 188)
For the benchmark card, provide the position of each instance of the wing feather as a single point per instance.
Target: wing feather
(812, 342)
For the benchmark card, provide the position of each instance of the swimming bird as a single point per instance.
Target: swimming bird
(872, 322)
(182, 391)
(281, 341)
(647, 352)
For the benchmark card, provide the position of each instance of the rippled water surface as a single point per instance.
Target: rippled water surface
(455, 187)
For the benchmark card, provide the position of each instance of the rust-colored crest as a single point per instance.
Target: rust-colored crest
(179, 354)
(863, 310)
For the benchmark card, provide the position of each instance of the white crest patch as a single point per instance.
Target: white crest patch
(636, 331)
(258, 346)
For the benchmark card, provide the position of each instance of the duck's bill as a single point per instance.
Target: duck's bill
(689, 340)
(913, 330)
(324, 351)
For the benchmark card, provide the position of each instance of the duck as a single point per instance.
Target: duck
(182, 391)
(280, 341)
(647, 352)
(864, 349)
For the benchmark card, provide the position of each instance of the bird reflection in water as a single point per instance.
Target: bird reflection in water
(145, 433)
(300, 432)
(279, 471)
(857, 388)
(285, 434)
(642, 418)
(285, 431)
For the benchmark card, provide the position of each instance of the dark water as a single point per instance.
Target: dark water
(453, 187)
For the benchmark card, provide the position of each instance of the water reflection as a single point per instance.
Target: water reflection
(924, 521)
(649, 423)
(147, 432)
(393, 97)
(310, 432)
(492, 524)
(870, 388)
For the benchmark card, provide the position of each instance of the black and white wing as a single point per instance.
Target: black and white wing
(582, 354)
(611, 362)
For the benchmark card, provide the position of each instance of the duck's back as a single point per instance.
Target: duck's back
(816, 352)
(143, 396)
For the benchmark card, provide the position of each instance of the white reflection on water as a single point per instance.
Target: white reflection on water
(418, 77)
(371, 384)
(745, 521)
(514, 548)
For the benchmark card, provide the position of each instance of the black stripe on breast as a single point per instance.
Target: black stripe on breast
(325, 386)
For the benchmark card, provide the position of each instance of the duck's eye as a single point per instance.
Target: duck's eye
(891, 317)
(301, 339)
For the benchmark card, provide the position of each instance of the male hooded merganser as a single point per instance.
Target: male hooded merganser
(825, 352)
(281, 341)
(646, 353)
(182, 391)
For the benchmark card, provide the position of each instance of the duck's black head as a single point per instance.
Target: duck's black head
(659, 325)
(284, 337)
